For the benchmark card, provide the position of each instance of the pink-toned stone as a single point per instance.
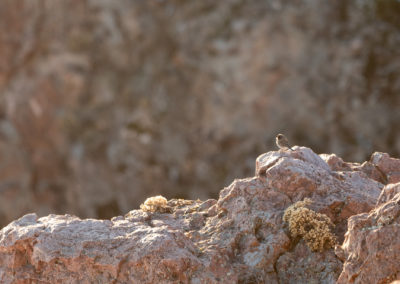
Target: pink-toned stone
(302, 173)
(239, 238)
(389, 167)
(388, 192)
(305, 154)
(372, 244)
(334, 162)
(299, 266)
(337, 164)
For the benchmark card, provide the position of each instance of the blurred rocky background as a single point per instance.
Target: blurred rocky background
(104, 103)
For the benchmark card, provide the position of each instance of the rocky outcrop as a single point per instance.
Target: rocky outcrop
(372, 244)
(179, 97)
(239, 238)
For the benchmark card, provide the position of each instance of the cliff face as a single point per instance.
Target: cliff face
(178, 97)
(239, 238)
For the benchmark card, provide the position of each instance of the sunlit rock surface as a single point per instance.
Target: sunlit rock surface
(239, 238)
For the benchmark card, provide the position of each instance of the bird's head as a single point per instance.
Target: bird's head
(280, 137)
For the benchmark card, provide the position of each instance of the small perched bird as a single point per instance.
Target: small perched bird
(282, 142)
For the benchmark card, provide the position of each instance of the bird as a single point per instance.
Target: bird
(282, 142)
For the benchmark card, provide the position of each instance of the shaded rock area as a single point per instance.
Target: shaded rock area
(239, 238)
(179, 97)
(372, 242)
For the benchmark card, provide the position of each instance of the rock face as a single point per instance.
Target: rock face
(239, 238)
(372, 243)
(179, 97)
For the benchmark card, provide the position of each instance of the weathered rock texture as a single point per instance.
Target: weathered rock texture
(178, 97)
(239, 238)
(372, 243)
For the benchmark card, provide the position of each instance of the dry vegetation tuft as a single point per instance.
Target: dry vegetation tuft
(155, 204)
(314, 228)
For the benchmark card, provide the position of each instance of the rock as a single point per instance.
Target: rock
(239, 238)
(388, 192)
(388, 166)
(178, 99)
(302, 173)
(372, 244)
(337, 164)
(299, 266)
